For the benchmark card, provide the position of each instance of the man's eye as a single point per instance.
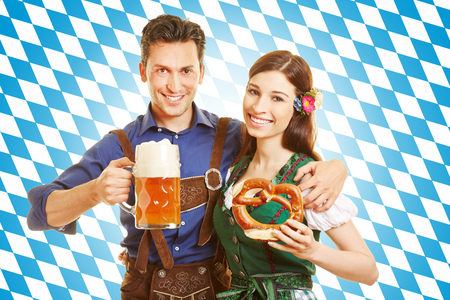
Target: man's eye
(162, 71)
(187, 71)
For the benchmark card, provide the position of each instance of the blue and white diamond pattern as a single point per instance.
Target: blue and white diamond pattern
(69, 74)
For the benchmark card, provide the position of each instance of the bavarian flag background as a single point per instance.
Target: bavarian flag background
(69, 74)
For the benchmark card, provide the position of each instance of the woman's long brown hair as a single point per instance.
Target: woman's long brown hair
(301, 133)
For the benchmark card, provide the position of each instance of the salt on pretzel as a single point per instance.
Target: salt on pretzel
(252, 228)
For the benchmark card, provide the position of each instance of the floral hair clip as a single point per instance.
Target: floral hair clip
(308, 102)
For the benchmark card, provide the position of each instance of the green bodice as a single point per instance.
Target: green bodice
(248, 257)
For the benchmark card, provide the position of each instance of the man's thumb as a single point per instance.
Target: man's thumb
(121, 162)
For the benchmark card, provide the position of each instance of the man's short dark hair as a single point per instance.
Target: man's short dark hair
(171, 29)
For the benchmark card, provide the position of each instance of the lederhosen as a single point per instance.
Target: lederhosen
(200, 280)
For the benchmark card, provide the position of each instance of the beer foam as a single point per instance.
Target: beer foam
(157, 159)
(161, 142)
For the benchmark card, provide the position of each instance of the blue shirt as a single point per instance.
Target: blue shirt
(195, 146)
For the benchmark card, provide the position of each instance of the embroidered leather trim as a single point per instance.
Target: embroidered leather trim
(190, 281)
(192, 193)
(184, 283)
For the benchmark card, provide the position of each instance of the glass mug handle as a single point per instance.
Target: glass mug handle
(123, 205)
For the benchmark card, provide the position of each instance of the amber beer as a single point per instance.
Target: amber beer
(158, 203)
(157, 185)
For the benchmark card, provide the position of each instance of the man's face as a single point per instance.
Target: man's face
(172, 74)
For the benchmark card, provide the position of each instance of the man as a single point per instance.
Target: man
(172, 52)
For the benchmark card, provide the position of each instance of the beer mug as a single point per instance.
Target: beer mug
(157, 186)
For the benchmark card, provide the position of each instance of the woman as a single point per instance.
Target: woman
(281, 131)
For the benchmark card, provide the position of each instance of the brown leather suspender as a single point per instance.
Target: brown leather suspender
(213, 181)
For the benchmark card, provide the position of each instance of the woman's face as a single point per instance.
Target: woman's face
(268, 105)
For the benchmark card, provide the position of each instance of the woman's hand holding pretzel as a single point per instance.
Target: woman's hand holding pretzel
(298, 238)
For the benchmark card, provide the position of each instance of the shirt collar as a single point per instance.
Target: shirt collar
(199, 118)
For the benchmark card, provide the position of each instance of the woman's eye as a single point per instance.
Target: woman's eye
(253, 92)
(278, 99)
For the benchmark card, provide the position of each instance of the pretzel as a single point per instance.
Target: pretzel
(252, 228)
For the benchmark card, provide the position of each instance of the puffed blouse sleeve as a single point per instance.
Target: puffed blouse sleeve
(340, 213)
(228, 195)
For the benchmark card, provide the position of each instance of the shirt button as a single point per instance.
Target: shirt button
(177, 248)
(231, 221)
(176, 136)
(159, 129)
(235, 240)
(236, 258)
(182, 223)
